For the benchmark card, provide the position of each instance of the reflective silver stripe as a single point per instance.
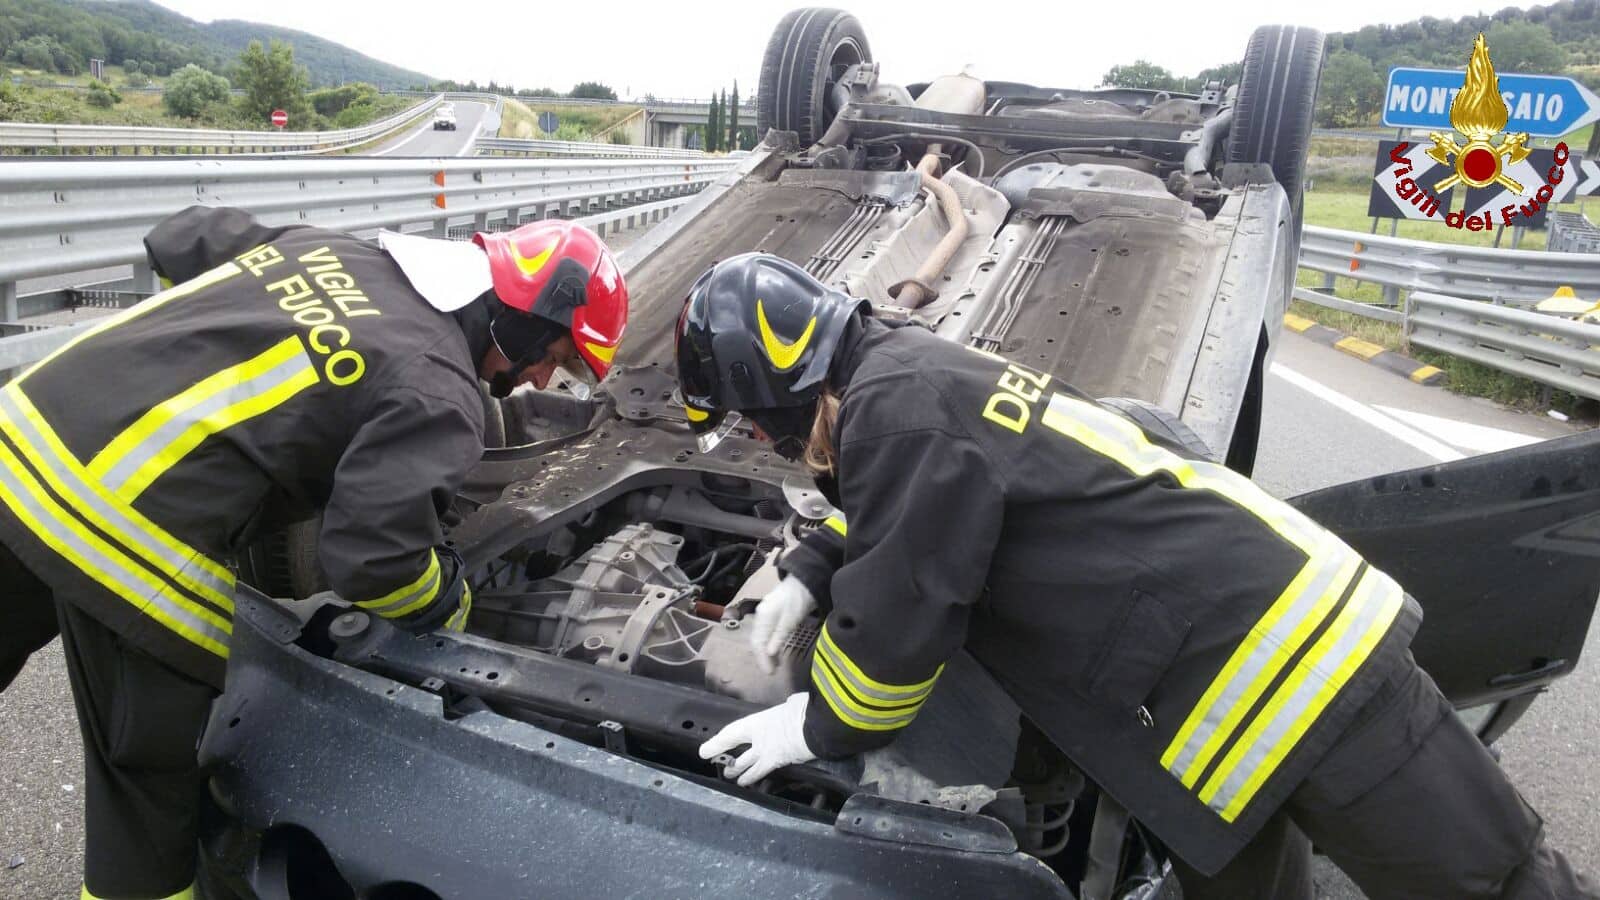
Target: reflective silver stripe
(1300, 701)
(1274, 648)
(124, 574)
(841, 706)
(125, 530)
(160, 439)
(426, 589)
(863, 690)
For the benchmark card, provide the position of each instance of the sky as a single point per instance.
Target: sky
(690, 49)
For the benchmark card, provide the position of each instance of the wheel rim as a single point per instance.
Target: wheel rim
(846, 54)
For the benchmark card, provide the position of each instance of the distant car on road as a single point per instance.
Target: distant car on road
(444, 118)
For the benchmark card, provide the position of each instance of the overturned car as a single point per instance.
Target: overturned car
(1138, 244)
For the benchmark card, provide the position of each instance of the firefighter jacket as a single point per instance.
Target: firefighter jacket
(1193, 644)
(288, 369)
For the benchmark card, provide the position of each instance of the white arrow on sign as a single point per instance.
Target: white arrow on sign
(1422, 166)
(1591, 178)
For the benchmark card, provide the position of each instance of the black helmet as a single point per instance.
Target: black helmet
(757, 335)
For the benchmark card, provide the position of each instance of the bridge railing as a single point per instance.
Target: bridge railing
(1475, 303)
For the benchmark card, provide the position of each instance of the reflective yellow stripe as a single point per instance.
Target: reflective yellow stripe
(783, 355)
(1120, 440)
(458, 619)
(870, 687)
(826, 669)
(170, 430)
(601, 351)
(1262, 654)
(1304, 695)
(836, 523)
(695, 415)
(1259, 660)
(835, 696)
(130, 528)
(107, 565)
(220, 273)
(185, 894)
(412, 597)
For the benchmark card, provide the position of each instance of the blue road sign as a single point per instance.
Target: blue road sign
(1548, 105)
(548, 122)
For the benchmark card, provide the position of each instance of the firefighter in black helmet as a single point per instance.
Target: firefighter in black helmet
(287, 369)
(1219, 664)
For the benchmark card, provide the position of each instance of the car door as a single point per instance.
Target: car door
(1503, 553)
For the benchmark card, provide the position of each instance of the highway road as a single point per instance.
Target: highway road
(1329, 419)
(422, 140)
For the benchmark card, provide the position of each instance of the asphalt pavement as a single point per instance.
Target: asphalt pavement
(423, 140)
(1329, 418)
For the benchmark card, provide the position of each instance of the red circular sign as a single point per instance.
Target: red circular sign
(280, 118)
(1479, 164)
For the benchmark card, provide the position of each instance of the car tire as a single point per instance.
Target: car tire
(805, 58)
(1160, 422)
(1272, 113)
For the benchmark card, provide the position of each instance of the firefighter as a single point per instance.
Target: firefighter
(286, 369)
(1223, 667)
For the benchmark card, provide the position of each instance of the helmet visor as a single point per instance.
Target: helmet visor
(521, 338)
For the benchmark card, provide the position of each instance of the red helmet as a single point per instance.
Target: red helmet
(562, 272)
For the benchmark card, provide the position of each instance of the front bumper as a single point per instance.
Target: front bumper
(487, 806)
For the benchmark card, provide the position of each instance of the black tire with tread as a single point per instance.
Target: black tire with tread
(796, 72)
(1272, 114)
(1161, 422)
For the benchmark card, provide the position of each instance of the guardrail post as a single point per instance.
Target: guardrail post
(480, 222)
(9, 310)
(145, 280)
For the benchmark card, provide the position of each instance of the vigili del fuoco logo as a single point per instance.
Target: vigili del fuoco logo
(1479, 113)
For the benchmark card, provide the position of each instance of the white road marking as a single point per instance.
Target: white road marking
(472, 139)
(421, 130)
(1367, 414)
(1477, 438)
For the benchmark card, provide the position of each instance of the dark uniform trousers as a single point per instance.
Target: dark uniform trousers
(140, 721)
(1411, 806)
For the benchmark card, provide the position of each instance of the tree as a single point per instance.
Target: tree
(592, 90)
(271, 80)
(191, 89)
(1141, 74)
(713, 125)
(1351, 91)
(733, 119)
(1524, 47)
(102, 95)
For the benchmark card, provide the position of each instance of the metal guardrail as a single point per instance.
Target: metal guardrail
(67, 221)
(1470, 302)
(1547, 349)
(27, 135)
(1455, 269)
(589, 150)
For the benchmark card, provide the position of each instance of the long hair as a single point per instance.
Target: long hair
(820, 455)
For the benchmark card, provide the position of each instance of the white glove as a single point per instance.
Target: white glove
(777, 616)
(776, 737)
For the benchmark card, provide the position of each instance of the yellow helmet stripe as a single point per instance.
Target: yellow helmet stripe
(696, 415)
(783, 355)
(530, 266)
(601, 351)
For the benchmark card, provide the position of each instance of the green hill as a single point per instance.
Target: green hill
(62, 35)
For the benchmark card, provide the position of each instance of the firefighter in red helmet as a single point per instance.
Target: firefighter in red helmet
(287, 369)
